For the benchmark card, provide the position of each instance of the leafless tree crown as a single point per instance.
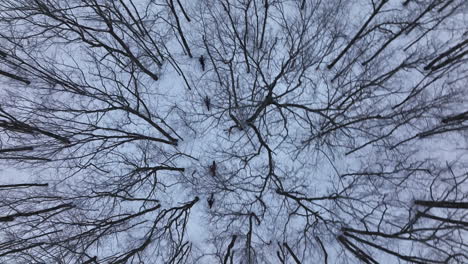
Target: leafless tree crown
(234, 131)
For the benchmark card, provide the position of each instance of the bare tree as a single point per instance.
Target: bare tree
(316, 131)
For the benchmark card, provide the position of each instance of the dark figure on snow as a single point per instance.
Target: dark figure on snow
(213, 169)
(207, 102)
(202, 62)
(210, 200)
